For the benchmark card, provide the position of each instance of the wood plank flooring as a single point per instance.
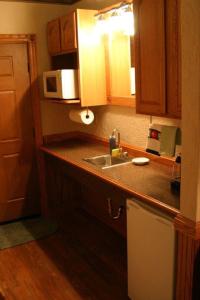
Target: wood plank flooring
(84, 260)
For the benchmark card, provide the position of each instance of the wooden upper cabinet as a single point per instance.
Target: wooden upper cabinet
(91, 57)
(53, 37)
(120, 65)
(118, 69)
(157, 57)
(150, 56)
(83, 49)
(173, 61)
(68, 32)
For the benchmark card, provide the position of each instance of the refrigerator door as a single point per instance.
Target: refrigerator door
(151, 253)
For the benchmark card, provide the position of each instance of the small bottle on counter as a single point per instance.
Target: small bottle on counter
(112, 143)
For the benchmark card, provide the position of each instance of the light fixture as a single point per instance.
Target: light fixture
(128, 19)
(116, 19)
(101, 23)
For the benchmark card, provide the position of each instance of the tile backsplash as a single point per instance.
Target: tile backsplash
(133, 127)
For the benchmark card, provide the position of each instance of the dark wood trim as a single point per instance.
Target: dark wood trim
(35, 89)
(63, 2)
(37, 119)
(30, 41)
(59, 137)
(188, 245)
(133, 150)
(17, 38)
(63, 102)
(188, 227)
(122, 101)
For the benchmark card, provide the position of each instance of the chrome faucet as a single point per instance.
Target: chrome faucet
(114, 142)
(118, 137)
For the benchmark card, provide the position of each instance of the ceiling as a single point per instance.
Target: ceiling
(68, 2)
(90, 4)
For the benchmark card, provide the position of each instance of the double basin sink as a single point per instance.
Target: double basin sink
(107, 161)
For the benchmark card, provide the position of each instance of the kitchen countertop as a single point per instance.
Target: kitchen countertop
(150, 183)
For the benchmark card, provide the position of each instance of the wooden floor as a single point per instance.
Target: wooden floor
(84, 260)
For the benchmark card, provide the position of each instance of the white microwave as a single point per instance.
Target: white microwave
(61, 84)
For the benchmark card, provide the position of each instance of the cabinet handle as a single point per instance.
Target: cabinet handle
(110, 210)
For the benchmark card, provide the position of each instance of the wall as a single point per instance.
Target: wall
(133, 127)
(18, 17)
(32, 18)
(190, 37)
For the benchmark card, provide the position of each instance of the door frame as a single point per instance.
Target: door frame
(30, 41)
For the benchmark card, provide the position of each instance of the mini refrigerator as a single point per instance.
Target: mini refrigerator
(151, 246)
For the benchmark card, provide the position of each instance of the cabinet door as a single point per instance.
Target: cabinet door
(68, 32)
(118, 67)
(95, 200)
(53, 37)
(63, 191)
(150, 56)
(173, 58)
(91, 55)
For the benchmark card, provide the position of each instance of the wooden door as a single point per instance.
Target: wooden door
(150, 56)
(68, 32)
(53, 37)
(18, 183)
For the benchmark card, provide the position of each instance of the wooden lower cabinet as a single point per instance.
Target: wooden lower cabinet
(63, 191)
(107, 204)
(69, 188)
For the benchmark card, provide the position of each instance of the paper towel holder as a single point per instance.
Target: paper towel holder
(82, 115)
(87, 114)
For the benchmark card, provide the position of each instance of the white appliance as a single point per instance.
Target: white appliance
(132, 76)
(151, 253)
(61, 84)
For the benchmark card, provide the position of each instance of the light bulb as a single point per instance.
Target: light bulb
(100, 24)
(128, 19)
(115, 21)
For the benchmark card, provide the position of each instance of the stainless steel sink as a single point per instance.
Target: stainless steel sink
(107, 161)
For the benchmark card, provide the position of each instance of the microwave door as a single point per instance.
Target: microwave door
(52, 86)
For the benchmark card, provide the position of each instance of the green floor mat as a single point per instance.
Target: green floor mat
(23, 231)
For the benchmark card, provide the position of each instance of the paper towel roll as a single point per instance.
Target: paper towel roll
(84, 116)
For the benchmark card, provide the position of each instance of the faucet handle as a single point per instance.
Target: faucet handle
(125, 154)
